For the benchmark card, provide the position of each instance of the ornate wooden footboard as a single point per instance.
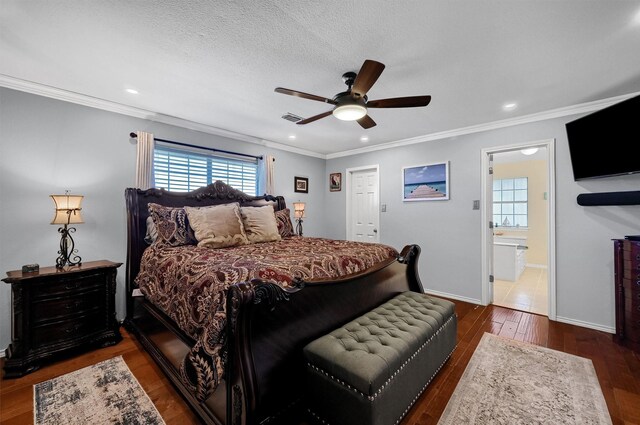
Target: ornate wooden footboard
(267, 326)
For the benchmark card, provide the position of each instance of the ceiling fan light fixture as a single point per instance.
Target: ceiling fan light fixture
(349, 112)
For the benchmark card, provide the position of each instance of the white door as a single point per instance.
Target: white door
(363, 219)
(489, 157)
(489, 225)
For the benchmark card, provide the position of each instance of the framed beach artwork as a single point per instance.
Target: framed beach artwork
(429, 182)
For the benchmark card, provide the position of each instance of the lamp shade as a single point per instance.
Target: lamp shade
(67, 209)
(298, 210)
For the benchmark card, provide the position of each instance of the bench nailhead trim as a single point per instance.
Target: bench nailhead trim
(424, 387)
(412, 401)
(393, 375)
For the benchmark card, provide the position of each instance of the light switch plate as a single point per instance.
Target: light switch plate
(383, 208)
(476, 204)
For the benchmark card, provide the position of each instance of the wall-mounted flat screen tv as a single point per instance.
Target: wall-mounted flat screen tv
(607, 142)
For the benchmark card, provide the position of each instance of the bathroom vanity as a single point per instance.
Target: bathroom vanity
(509, 257)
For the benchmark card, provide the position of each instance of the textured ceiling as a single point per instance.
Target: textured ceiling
(218, 62)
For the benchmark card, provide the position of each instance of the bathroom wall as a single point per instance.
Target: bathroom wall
(537, 240)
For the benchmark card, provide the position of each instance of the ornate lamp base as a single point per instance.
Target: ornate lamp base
(68, 253)
(299, 227)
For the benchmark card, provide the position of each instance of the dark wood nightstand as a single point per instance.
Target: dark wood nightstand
(55, 311)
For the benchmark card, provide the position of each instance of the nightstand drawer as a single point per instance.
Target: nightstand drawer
(631, 286)
(56, 332)
(629, 273)
(68, 285)
(632, 256)
(58, 308)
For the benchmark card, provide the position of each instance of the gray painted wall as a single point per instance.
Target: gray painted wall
(48, 146)
(449, 232)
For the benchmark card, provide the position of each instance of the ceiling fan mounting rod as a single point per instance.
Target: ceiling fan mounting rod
(349, 78)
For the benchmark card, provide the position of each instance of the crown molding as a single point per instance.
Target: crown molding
(94, 102)
(118, 108)
(540, 116)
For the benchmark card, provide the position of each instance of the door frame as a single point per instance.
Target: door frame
(348, 173)
(549, 144)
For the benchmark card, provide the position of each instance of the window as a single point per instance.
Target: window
(184, 170)
(510, 202)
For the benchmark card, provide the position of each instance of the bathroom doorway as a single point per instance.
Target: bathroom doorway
(519, 244)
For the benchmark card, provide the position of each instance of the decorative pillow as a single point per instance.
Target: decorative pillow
(260, 224)
(217, 226)
(172, 225)
(283, 219)
(152, 232)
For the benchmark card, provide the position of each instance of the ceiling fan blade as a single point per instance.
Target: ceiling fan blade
(304, 95)
(367, 76)
(366, 122)
(314, 118)
(400, 102)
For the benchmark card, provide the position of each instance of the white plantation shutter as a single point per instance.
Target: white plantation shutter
(185, 170)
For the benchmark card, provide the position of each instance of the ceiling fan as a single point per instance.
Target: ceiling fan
(352, 105)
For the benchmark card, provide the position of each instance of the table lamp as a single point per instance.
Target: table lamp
(67, 212)
(298, 214)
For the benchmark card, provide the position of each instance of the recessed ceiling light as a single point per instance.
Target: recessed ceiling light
(529, 151)
(292, 136)
(131, 91)
(509, 106)
(364, 139)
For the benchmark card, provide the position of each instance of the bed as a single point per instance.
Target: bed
(267, 315)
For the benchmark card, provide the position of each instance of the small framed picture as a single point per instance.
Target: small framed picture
(301, 184)
(335, 182)
(428, 182)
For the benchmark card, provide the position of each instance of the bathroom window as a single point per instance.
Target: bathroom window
(510, 202)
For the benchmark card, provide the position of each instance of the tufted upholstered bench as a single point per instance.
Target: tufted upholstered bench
(373, 369)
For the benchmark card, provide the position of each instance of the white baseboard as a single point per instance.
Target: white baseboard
(607, 329)
(2, 354)
(583, 324)
(536, 266)
(452, 296)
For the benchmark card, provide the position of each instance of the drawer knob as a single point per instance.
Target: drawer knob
(71, 286)
(72, 329)
(73, 305)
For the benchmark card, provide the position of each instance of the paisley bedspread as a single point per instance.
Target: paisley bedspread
(189, 284)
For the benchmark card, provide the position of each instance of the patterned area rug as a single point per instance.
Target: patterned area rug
(105, 393)
(512, 382)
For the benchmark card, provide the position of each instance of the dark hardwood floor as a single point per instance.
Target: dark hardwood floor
(617, 367)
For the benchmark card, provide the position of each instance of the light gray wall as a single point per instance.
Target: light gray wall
(48, 146)
(449, 232)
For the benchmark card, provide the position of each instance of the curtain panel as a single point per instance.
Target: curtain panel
(144, 160)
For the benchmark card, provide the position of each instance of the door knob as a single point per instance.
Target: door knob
(375, 230)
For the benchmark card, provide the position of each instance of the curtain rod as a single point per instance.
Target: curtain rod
(135, 136)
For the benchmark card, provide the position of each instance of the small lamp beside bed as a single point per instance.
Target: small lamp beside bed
(298, 214)
(67, 212)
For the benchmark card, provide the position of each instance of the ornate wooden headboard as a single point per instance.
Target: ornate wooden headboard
(137, 212)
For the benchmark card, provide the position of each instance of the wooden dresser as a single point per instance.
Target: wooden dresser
(55, 311)
(627, 281)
